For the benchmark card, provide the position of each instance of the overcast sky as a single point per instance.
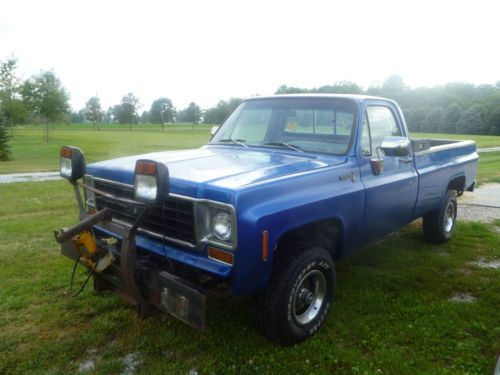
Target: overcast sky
(204, 51)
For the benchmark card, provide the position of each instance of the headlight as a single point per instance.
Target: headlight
(72, 163)
(145, 188)
(221, 224)
(66, 167)
(150, 181)
(89, 195)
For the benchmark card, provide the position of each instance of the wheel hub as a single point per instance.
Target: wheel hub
(449, 217)
(309, 297)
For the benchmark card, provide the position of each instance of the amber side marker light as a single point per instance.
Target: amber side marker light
(265, 236)
(221, 256)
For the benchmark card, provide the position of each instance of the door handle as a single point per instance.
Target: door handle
(406, 160)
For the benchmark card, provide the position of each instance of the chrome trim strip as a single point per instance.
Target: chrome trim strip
(200, 231)
(453, 144)
(159, 236)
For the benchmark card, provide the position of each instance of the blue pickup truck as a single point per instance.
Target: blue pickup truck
(285, 187)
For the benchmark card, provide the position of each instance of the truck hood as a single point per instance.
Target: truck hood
(225, 167)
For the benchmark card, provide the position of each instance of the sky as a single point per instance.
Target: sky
(204, 51)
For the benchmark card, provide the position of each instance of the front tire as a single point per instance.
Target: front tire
(439, 225)
(299, 295)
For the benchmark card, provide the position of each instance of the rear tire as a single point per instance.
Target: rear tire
(299, 295)
(439, 225)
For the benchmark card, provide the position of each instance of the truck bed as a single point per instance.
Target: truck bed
(438, 161)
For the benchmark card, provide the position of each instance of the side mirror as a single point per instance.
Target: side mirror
(396, 146)
(214, 130)
(72, 163)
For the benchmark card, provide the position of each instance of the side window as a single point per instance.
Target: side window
(380, 123)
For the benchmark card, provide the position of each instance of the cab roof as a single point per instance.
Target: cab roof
(354, 97)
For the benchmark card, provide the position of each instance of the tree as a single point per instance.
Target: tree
(416, 119)
(11, 106)
(45, 96)
(162, 111)
(145, 117)
(93, 110)
(4, 139)
(432, 120)
(191, 114)
(472, 121)
(126, 111)
(77, 117)
(394, 83)
(219, 113)
(494, 121)
(450, 118)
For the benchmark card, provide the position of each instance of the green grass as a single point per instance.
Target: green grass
(489, 167)
(392, 310)
(31, 154)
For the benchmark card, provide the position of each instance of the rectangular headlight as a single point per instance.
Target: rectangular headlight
(66, 167)
(151, 183)
(145, 188)
(72, 163)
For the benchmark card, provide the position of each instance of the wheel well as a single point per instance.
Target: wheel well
(458, 184)
(323, 233)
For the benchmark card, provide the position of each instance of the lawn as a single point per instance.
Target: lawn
(392, 312)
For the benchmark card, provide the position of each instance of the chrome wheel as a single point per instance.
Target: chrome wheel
(449, 217)
(309, 297)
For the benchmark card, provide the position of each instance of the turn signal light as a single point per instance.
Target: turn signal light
(145, 167)
(221, 256)
(66, 152)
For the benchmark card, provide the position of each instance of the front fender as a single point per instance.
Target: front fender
(281, 206)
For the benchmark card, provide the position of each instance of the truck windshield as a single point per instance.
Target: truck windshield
(321, 125)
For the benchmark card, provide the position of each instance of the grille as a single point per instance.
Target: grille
(174, 220)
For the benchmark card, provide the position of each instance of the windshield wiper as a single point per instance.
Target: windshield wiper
(283, 144)
(235, 141)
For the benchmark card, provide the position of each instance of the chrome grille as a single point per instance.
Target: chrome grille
(173, 221)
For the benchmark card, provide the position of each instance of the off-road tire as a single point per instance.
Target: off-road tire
(439, 225)
(299, 263)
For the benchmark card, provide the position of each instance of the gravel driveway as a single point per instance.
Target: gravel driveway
(481, 205)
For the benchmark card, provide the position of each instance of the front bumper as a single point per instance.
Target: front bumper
(140, 279)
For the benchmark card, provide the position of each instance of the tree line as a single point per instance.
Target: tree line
(458, 107)
(162, 111)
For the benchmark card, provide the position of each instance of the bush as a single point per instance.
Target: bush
(4, 139)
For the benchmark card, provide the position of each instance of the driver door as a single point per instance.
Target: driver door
(390, 196)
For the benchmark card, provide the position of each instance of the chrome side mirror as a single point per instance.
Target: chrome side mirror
(396, 146)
